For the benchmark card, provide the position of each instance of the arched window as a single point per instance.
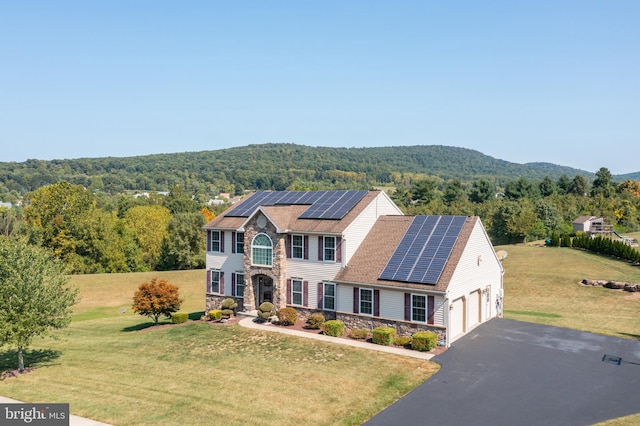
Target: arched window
(262, 250)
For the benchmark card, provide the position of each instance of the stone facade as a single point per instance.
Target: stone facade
(255, 275)
(353, 321)
(215, 302)
(403, 328)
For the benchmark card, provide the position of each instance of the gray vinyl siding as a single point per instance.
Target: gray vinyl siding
(472, 274)
(360, 227)
(391, 302)
(344, 300)
(313, 272)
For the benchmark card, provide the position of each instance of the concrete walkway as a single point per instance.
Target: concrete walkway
(73, 420)
(249, 322)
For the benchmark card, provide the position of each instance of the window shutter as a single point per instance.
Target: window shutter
(288, 247)
(320, 295)
(305, 293)
(306, 247)
(356, 300)
(338, 249)
(209, 241)
(320, 247)
(221, 282)
(288, 292)
(233, 242)
(233, 284)
(407, 306)
(208, 281)
(376, 303)
(430, 309)
(221, 242)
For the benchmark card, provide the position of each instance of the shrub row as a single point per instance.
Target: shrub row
(179, 317)
(420, 341)
(383, 336)
(215, 315)
(287, 316)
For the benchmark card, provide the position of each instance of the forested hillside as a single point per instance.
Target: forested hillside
(89, 214)
(275, 167)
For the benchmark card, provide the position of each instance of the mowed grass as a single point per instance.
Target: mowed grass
(107, 295)
(542, 285)
(114, 368)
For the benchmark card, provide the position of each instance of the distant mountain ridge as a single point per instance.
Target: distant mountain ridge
(276, 166)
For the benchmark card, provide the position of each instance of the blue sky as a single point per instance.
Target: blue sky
(553, 81)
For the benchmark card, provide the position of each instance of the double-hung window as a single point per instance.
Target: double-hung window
(262, 250)
(239, 290)
(215, 241)
(329, 296)
(329, 245)
(240, 242)
(297, 292)
(214, 286)
(418, 308)
(366, 301)
(297, 247)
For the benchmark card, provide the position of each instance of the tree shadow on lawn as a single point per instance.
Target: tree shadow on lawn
(193, 316)
(33, 358)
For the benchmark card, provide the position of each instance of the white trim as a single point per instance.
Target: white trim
(360, 290)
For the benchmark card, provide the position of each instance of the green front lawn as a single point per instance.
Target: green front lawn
(116, 371)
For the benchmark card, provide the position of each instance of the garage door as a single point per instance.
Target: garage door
(474, 309)
(456, 318)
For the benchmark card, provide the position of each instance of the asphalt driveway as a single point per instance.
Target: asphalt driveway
(509, 372)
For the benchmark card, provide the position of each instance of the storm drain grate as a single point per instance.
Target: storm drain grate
(612, 359)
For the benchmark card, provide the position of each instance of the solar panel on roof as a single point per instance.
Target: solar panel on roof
(422, 254)
(323, 204)
(334, 205)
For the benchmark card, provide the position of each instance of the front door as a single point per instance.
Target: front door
(265, 289)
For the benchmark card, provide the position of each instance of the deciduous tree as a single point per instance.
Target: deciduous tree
(34, 294)
(156, 298)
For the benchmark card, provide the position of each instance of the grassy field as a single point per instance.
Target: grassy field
(111, 367)
(542, 285)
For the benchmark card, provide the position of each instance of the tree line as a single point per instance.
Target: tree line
(526, 209)
(98, 233)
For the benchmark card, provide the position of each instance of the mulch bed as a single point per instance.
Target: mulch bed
(301, 325)
(15, 373)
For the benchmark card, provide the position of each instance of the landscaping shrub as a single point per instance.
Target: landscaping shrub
(333, 328)
(402, 340)
(315, 321)
(266, 310)
(383, 335)
(215, 315)
(227, 313)
(424, 341)
(179, 317)
(229, 303)
(359, 333)
(287, 316)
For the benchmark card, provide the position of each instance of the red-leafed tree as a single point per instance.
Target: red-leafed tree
(156, 298)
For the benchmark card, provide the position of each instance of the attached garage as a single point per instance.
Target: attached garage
(474, 309)
(456, 318)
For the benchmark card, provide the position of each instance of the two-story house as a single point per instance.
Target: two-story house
(353, 256)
